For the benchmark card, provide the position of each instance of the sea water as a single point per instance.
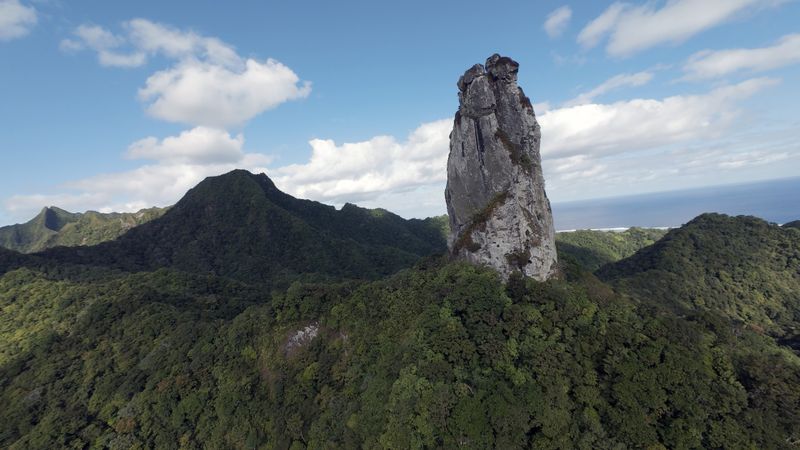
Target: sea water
(775, 201)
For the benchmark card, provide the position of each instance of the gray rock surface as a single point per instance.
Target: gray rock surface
(499, 213)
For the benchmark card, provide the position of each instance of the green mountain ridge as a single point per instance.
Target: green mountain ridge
(246, 318)
(742, 267)
(54, 226)
(240, 225)
(593, 249)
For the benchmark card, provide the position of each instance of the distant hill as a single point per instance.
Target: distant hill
(792, 224)
(240, 225)
(594, 248)
(54, 226)
(742, 267)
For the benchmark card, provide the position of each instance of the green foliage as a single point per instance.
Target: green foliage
(441, 355)
(478, 222)
(54, 226)
(515, 151)
(592, 249)
(230, 323)
(741, 267)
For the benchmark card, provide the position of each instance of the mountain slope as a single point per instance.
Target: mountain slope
(187, 333)
(742, 267)
(240, 225)
(438, 356)
(594, 248)
(54, 226)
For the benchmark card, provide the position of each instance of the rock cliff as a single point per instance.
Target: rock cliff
(499, 213)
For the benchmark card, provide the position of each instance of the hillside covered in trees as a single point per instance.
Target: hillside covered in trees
(54, 226)
(179, 335)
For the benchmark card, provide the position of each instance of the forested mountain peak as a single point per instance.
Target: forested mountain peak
(241, 225)
(54, 226)
(742, 267)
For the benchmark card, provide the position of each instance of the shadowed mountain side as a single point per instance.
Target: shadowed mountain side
(240, 225)
(594, 248)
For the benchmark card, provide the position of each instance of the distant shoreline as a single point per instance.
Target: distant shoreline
(775, 201)
(614, 229)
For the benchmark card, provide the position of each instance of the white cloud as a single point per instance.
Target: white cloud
(591, 35)
(615, 82)
(155, 38)
(711, 64)
(142, 39)
(643, 123)
(557, 21)
(198, 145)
(588, 151)
(635, 28)
(202, 93)
(585, 148)
(370, 168)
(106, 44)
(25, 206)
(16, 20)
(208, 85)
(180, 163)
(159, 184)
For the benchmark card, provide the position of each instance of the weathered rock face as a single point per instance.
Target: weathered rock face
(499, 213)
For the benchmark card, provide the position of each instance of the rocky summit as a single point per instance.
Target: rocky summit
(499, 213)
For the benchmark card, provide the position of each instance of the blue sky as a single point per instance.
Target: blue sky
(124, 105)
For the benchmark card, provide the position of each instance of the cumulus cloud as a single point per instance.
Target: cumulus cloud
(106, 44)
(557, 21)
(16, 20)
(587, 148)
(369, 168)
(592, 33)
(582, 147)
(631, 28)
(198, 145)
(202, 93)
(712, 64)
(143, 39)
(643, 123)
(179, 163)
(592, 148)
(209, 84)
(155, 38)
(615, 82)
(25, 206)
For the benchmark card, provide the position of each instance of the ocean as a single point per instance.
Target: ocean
(775, 201)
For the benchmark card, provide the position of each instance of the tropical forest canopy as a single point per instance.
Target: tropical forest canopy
(245, 318)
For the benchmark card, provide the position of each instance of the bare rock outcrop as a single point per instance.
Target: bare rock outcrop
(499, 213)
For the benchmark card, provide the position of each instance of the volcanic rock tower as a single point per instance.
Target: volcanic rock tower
(499, 213)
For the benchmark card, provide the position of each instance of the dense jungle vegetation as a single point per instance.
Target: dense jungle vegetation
(688, 343)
